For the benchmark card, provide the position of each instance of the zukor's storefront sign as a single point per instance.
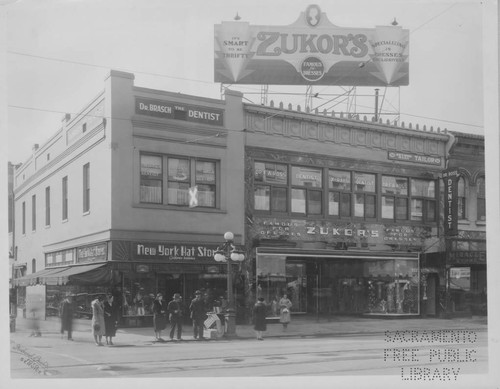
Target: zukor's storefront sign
(311, 51)
(335, 232)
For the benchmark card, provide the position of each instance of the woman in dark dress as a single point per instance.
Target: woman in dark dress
(259, 314)
(110, 319)
(159, 316)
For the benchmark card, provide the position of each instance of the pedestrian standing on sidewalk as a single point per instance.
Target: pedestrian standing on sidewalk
(175, 316)
(198, 314)
(285, 305)
(110, 319)
(67, 316)
(98, 319)
(259, 317)
(159, 316)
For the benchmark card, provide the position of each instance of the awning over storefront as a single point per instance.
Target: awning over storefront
(85, 274)
(34, 278)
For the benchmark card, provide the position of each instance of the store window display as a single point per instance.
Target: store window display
(340, 286)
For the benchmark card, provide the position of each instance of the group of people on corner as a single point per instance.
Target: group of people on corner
(105, 315)
(104, 318)
(259, 315)
(173, 313)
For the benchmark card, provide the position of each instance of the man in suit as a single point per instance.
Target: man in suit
(175, 315)
(198, 314)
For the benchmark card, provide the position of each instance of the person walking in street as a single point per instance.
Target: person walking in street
(175, 316)
(110, 319)
(198, 314)
(67, 316)
(285, 304)
(98, 319)
(259, 317)
(159, 316)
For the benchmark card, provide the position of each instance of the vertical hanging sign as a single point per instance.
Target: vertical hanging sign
(450, 178)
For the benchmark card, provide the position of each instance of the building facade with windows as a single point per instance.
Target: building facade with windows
(339, 210)
(134, 193)
(458, 269)
(105, 204)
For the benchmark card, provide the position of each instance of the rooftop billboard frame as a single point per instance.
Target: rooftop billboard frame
(311, 51)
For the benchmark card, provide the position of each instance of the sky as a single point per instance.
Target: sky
(58, 53)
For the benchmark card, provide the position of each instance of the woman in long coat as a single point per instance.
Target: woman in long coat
(159, 316)
(259, 315)
(110, 319)
(98, 326)
(67, 316)
(285, 304)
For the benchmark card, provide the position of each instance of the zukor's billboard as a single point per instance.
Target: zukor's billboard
(311, 51)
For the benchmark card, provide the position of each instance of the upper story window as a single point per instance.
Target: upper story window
(306, 193)
(33, 212)
(182, 173)
(47, 206)
(151, 179)
(346, 194)
(339, 193)
(206, 183)
(65, 198)
(270, 189)
(179, 180)
(481, 199)
(86, 187)
(23, 211)
(394, 198)
(462, 214)
(423, 200)
(364, 196)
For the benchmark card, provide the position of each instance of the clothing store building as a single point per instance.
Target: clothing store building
(340, 210)
(105, 204)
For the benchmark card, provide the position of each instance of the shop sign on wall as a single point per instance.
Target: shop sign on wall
(450, 178)
(94, 253)
(415, 158)
(173, 252)
(178, 111)
(332, 232)
(467, 257)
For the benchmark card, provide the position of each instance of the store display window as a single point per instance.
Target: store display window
(138, 294)
(340, 286)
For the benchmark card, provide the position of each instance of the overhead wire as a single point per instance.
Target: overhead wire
(211, 83)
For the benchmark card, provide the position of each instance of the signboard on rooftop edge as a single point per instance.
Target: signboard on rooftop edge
(311, 51)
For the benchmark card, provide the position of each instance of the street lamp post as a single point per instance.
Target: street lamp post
(229, 253)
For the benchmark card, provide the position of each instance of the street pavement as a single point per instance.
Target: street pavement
(339, 346)
(301, 326)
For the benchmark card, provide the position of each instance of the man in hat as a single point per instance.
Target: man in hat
(198, 314)
(175, 316)
(67, 316)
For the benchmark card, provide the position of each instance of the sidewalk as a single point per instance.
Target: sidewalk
(301, 326)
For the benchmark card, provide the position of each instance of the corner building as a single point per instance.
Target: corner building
(335, 212)
(104, 205)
